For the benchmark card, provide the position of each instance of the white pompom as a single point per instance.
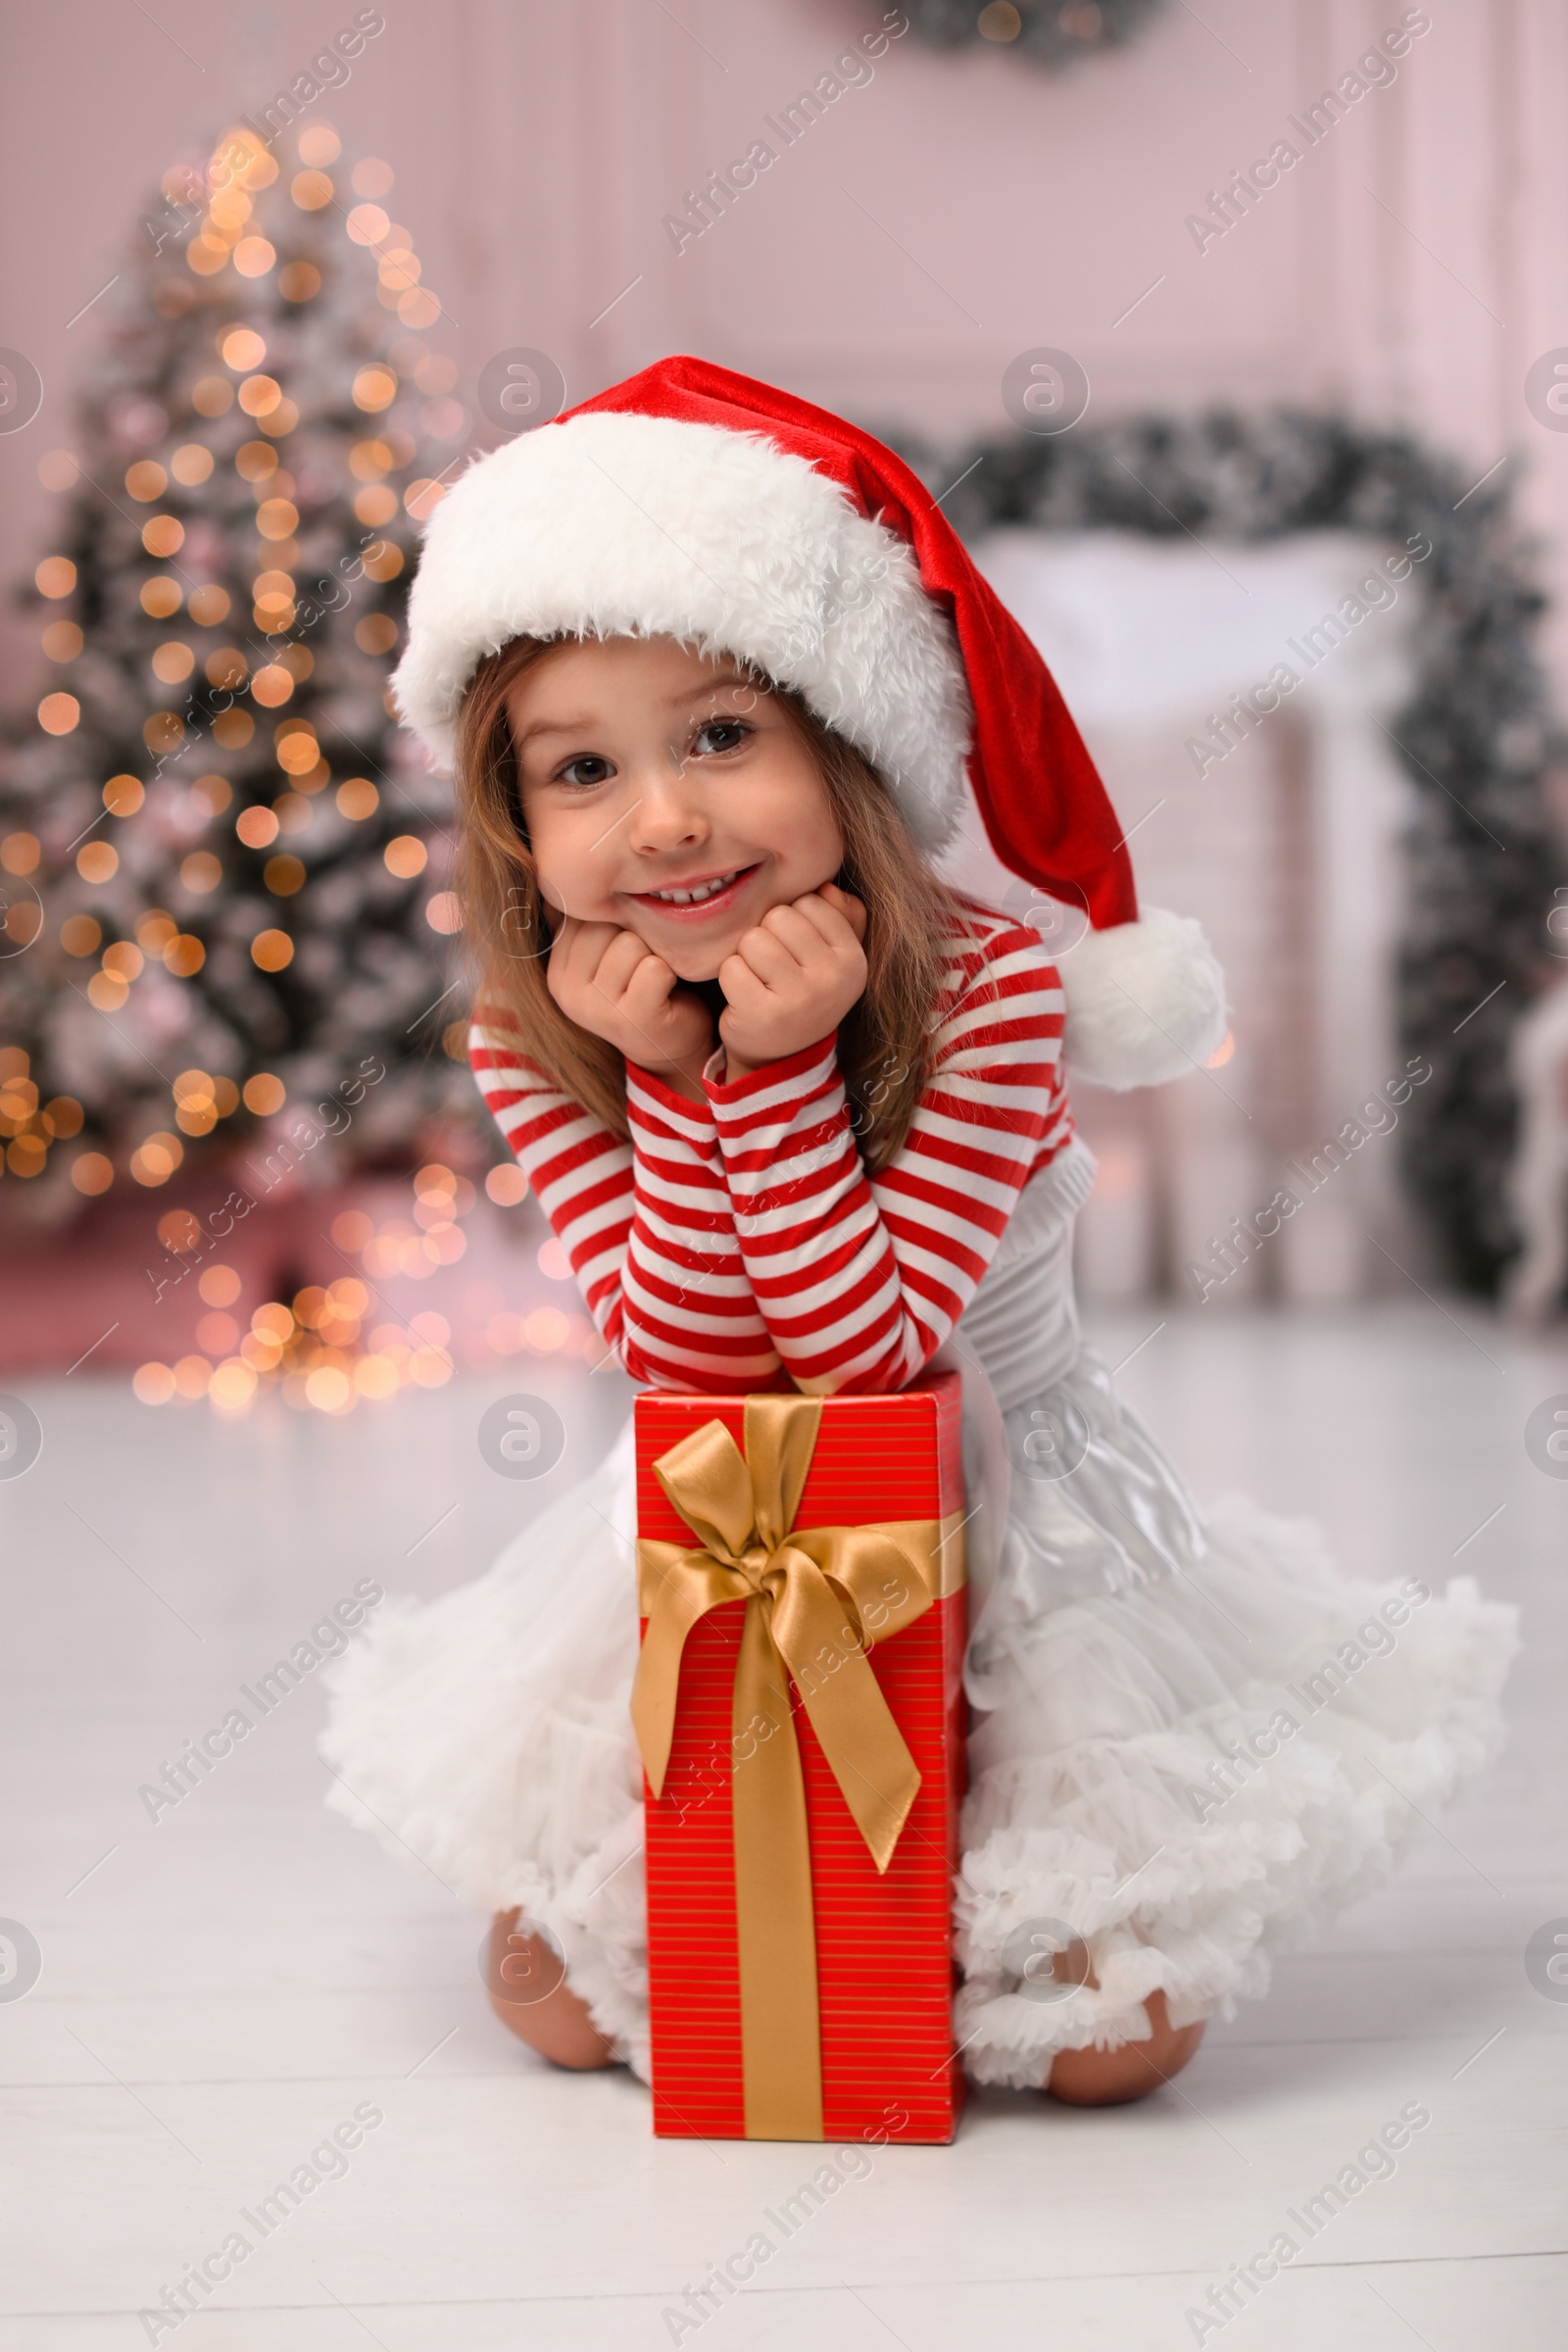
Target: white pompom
(1146, 1002)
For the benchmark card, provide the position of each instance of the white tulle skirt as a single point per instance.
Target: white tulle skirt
(1191, 1740)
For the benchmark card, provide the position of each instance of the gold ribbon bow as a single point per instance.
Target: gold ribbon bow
(810, 1594)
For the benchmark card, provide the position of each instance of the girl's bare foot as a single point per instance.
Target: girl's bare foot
(1109, 2077)
(530, 1994)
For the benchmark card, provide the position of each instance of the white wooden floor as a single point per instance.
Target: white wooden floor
(221, 1989)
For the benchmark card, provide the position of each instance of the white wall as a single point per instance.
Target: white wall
(960, 209)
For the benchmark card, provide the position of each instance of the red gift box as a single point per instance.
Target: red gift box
(801, 1795)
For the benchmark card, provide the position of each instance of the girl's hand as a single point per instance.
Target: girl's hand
(612, 985)
(792, 978)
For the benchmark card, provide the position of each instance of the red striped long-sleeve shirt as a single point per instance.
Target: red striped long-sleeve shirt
(738, 1244)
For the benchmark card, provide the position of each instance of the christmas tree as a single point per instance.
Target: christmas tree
(225, 881)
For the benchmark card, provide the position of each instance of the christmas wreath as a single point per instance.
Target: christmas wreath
(1052, 36)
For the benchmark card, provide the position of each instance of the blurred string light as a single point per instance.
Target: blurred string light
(28, 1127)
(334, 1346)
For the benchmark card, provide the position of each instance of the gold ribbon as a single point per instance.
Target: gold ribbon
(811, 1595)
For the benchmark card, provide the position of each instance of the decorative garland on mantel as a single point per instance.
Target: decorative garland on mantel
(1477, 735)
(1053, 36)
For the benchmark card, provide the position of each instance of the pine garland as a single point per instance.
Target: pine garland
(1482, 857)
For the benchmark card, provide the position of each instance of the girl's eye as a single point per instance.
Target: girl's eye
(722, 735)
(589, 770)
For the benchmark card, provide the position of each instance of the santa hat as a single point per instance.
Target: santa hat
(692, 503)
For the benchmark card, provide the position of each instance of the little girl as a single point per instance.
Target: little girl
(716, 678)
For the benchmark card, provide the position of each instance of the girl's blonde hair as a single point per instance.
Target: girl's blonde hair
(884, 1040)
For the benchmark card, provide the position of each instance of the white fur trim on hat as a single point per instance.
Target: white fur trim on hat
(613, 525)
(1146, 1002)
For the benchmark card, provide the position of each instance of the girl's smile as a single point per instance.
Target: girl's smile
(665, 791)
(699, 896)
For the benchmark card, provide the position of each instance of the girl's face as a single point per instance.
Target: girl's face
(648, 770)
